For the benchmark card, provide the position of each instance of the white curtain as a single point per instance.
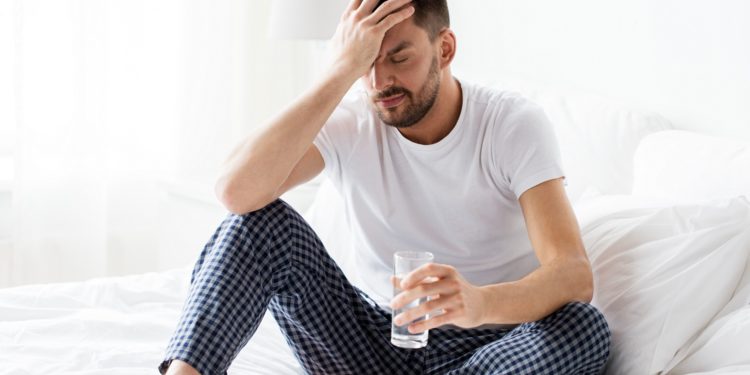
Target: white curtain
(116, 115)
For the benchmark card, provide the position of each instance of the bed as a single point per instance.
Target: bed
(664, 213)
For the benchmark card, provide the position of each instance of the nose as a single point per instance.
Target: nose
(380, 77)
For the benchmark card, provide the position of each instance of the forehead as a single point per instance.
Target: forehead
(406, 31)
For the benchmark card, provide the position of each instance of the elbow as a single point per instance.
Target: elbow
(586, 294)
(576, 279)
(584, 288)
(237, 200)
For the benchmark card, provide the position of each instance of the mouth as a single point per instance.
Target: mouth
(392, 101)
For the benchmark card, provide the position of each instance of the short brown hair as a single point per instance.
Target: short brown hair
(430, 15)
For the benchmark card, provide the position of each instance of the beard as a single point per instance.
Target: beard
(417, 107)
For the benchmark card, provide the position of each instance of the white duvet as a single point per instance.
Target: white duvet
(663, 273)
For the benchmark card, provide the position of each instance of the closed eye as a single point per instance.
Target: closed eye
(399, 61)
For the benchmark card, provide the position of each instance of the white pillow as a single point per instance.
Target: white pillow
(687, 166)
(327, 216)
(597, 136)
(661, 271)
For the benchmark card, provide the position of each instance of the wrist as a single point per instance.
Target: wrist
(487, 298)
(340, 70)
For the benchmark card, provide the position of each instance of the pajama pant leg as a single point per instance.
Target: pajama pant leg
(271, 259)
(573, 340)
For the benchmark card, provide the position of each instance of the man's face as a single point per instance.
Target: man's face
(404, 81)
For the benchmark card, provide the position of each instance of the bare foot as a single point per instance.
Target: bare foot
(178, 367)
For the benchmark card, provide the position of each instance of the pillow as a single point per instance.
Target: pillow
(597, 136)
(686, 166)
(661, 271)
(327, 216)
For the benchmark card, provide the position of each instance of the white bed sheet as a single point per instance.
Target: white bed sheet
(117, 325)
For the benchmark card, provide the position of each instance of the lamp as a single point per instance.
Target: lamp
(305, 19)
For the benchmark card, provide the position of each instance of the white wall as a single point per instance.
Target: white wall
(233, 79)
(116, 116)
(686, 59)
(213, 75)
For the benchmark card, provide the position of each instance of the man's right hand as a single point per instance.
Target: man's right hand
(282, 154)
(360, 32)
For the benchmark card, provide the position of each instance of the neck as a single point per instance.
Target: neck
(441, 118)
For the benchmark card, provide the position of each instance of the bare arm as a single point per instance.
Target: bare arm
(281, 155)
(564, 274)
(252, 176)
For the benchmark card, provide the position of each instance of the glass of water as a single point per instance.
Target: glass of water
(403, 263)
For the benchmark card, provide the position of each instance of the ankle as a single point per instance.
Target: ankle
(178, 367)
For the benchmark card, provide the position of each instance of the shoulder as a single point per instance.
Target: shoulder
(505, 113)
(499, 106)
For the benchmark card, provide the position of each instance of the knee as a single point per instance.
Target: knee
(587, 321)
(583, 313)
(586, 325)
(276, 223)
(240, 233)
(580, 318)
(271, 208)
(271, 215)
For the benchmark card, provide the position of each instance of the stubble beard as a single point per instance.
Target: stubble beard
(416, 110)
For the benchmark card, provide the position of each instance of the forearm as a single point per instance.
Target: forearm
(539, 294)
(260, 164)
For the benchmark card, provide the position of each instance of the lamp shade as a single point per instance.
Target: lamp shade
(305, 19)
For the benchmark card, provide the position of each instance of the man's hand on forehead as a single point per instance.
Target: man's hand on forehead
(361, 30)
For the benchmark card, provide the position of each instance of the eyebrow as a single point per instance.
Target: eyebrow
(401, 46)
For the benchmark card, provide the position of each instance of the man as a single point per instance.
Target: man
(423, 162)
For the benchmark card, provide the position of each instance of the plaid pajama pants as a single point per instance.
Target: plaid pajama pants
(272, 259)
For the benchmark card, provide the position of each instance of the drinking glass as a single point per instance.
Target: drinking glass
(403, 263)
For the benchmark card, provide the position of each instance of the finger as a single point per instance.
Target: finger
(430, 269)
(423, 309)
(385, 9)
(395, 282)
(442, 287)
(366, 7)
(394, 19)
(353, 5)
(435, 322)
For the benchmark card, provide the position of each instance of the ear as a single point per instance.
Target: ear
(446, 42)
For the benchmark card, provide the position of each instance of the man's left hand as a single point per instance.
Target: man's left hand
(462, 304)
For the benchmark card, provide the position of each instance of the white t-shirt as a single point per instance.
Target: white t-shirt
(457, 198)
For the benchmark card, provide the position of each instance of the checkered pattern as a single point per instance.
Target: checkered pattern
(272, 259)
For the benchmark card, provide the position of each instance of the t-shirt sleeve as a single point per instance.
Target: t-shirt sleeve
(336, 138)
(525, 149)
